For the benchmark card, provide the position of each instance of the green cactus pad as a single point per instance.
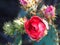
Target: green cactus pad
(17, 40)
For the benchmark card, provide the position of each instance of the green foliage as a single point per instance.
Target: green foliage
(8, 28)
(14, 29)
(11, 27)
(19, 28)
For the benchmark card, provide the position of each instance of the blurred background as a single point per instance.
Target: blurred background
(9, 10)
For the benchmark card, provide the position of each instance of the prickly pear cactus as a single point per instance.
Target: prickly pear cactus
(50, 39)
(17, 39)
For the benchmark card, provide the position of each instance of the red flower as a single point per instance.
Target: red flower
(36, 28)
